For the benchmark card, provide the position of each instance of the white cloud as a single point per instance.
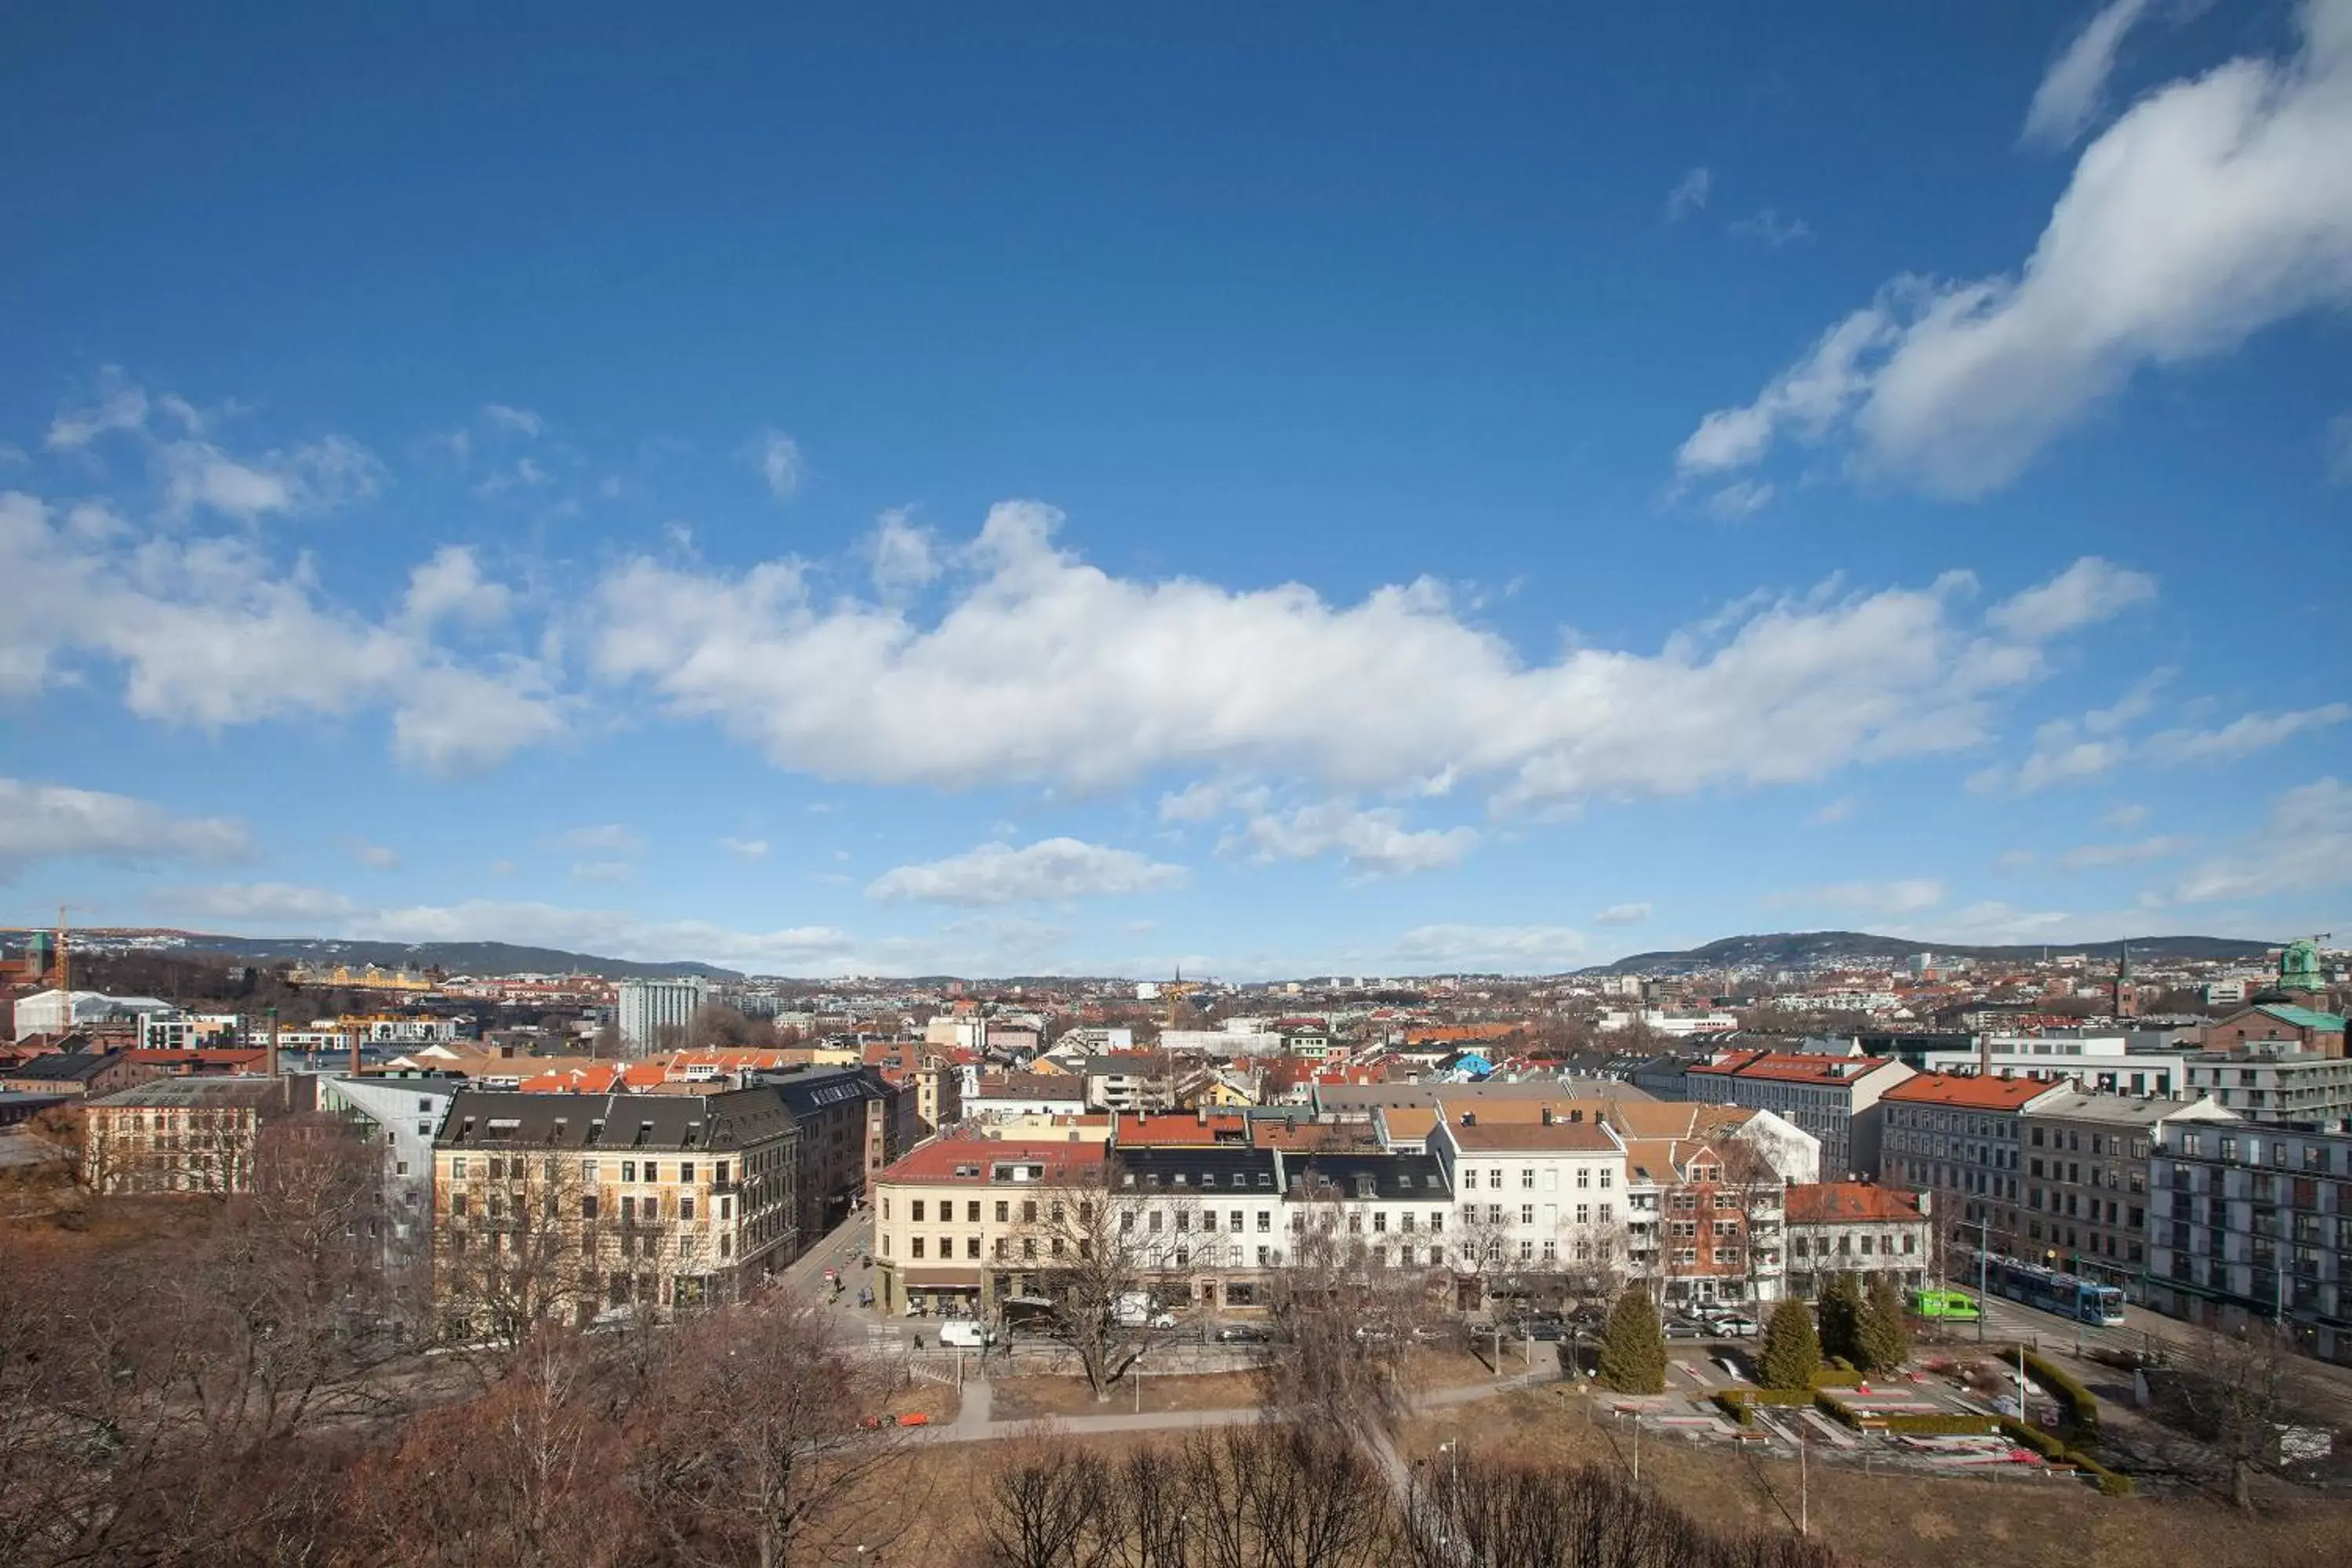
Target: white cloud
(2090, 857)
(1044, 668)
(2068, 751)
(320, 476)
(1836, 811)
(210, 632)
(603, 871)
(1906, 896)
(42, 821)
(2241, 737)
(1050, 869)
(451, 586)
(609, 838)
(1771, 229)
(2305, 845)
(2123, 817)
(121, 406)
(745, 848)
(1689, 195)
(1374, 841)
(778, 458)
(2018, 860)
(506, 417)
(1623, 915)
(377, 856)
(2071, 93)
(902, 555)
(2091, 590)
(2217, 207)
(294, 911)
(1503, 949)
(1740, 497)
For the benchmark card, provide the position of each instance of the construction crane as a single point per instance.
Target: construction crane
(65, 965)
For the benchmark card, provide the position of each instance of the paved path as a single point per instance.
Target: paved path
(973, 1423)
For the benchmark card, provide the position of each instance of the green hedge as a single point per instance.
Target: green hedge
(2111, 1483)
(1838, 1376)
(2081, 1405)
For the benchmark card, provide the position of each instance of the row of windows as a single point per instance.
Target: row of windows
(502, 1168)
(1549, 1178)
(1850, 1244)
(1553, 1214)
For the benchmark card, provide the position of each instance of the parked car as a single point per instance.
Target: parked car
(964, 1333)
(1428, 1333)
(1243, 1334)
(1686, 1329)
(1738, 1324)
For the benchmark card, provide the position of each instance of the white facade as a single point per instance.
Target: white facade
(648, 1006)
(406, 1114)
(1543, 1196)
(1220, 1042)
(2102, 1063)
(54, 1012)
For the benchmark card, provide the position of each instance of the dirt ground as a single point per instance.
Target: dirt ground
(1904, 1520)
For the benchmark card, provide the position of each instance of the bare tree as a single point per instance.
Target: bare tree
(1052, 1507)
(518, 1250)
(759, 1444)
(1091, 1246)
(1347, 1307)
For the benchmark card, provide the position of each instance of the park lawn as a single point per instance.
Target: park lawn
(1037, 1398)
(1900, 1521)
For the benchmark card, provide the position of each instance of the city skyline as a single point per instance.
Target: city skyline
(1095, 499)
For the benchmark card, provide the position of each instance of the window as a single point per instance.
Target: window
(718, 1173)
(918, 1245)
(1003, 1211)
(915, 1210)
(1528, 1177)
(587, 1169)
(1265, 1221)
(1527, 1252)
(1495, 1177)
(1526, 1214)
(1436, 1221)
(458, 1167)
(686, 1206)
(972, 1247)
(1583, 1177)
(1584, 1213)
(686, 1171)
(972, 1212)
(457, 1205)
(628, 1170)
(588, 1206)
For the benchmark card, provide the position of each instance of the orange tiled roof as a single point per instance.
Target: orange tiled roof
(1967, 1091)
(942, 1159)
(1791, 1067)
(1175, 1129)
(1823, 1202)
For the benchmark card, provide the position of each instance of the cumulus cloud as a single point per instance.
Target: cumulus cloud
(2241, 737)
(2123, 816)
(778, 458)
(1043, 668)
(1689, 195)
(451, 586)
(1623, 915)
(2218, 205)
(519, 421)
(1740, 497)
(211, 632)
(1376, 841)
(902, 556)
(2305, 845)
(41, 822)
(318, 476)
(2073, 88)
(121, 406)
(745, 849)
(1504, 949)
(1833, 812)
(1050, 869)
(2091, 590)
(1906, 896)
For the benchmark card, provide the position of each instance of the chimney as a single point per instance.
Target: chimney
(355, 1053)
(1984, 1053)
(273, 1043)
(1547, 1116)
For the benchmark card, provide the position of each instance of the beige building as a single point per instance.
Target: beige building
(564, 1205)
(186, 1134)
(2087, 1179)
(955, 1219)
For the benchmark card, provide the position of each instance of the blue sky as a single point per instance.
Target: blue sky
(1071, 490)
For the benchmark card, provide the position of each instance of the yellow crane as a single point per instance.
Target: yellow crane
(1175, 990)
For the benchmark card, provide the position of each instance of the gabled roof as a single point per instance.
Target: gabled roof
(1822, 1203)
(976, 1160)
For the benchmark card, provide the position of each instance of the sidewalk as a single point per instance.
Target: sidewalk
(972, 1423)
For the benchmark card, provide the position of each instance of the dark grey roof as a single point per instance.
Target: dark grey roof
(1213, 1168)
(509, 1119)
(266, 1092)
(1366, 1173)
(65, 1067)
(807, 1091)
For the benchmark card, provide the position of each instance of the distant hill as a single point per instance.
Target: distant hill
(484, 958)
(1858, 949)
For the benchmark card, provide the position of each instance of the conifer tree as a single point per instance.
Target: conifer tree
(1885, 1331)
(1840, 1315)
(1792, 1352)
(1632, 1345)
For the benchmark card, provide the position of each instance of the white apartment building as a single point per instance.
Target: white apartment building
(2103, 1064)
(1537, 1195)
(649, 1006)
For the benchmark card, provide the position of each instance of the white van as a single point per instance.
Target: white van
(964, 1333)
